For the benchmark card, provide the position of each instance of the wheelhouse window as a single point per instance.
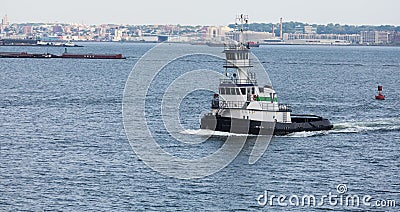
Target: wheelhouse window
(228, 91)
(232, 91)
(243, 90)
(230, 56)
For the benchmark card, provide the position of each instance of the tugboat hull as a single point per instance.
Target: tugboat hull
(244, 126)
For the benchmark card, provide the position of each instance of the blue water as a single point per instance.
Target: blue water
(63, 144)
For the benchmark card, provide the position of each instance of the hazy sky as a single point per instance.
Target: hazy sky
(202, 12)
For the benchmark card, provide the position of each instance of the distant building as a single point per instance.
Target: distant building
(310, 30)
(298, 30)
(117, 35)
(57, 29)
(381, 37)
(250, 36)
(395, 38)
(374, 37)
(101, 30)
(4, 21)
(217, 31)
(367, 37)
(67, 29)
(322, 38)
(27, 30)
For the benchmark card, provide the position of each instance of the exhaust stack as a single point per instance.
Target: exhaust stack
(281, 30)
(273, 30)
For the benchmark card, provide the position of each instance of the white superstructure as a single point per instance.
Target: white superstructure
(240, 96)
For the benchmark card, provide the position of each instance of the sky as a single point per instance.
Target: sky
(202, 12)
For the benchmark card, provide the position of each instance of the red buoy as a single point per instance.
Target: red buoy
(380, 96)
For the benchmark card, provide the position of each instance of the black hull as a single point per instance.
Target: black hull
(243, 126)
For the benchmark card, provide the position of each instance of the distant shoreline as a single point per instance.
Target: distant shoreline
(30, 44)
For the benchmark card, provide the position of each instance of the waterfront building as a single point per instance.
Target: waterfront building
(381, 37)
(217, 31)
(374, 37)
(322, 38)
(250, 36)
(27, 30)
(310, 30)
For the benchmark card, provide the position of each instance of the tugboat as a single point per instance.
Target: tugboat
(243, 107)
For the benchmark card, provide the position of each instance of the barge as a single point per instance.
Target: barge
(93, 56)
(64, 55)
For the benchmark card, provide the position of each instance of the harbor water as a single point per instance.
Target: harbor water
(63, 145)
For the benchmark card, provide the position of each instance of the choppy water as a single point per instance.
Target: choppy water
(63, 145)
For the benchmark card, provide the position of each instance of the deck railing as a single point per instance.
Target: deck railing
(285, 108)
(238, 81)
(264, 106)
(231, 104)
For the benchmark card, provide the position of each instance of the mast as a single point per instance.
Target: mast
(242, 20)
(238, 56)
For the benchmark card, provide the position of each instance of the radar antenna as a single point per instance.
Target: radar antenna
(240, 22)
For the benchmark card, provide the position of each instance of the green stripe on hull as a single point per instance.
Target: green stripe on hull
(267, 99)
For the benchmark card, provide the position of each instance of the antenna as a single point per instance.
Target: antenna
(242, 20)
